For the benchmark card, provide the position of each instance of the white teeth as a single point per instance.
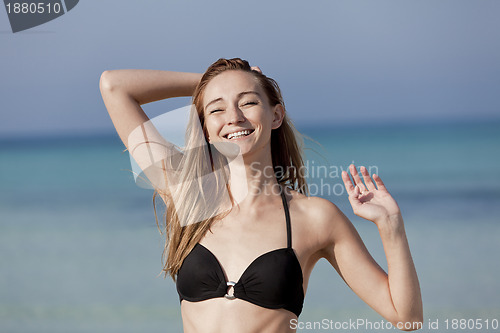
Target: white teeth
(238, 134)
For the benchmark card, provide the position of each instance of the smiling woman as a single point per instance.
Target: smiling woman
(250, 272)
(243, 115)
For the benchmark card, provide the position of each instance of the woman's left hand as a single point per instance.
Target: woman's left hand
(368, 201)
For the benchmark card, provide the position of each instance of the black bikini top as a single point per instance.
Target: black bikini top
(273, 280)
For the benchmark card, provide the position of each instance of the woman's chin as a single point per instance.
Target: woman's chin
(229, 149)
(233, 149)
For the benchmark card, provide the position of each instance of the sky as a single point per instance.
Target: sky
(337, 62)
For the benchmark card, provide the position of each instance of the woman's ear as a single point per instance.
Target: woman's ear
(278, 115)
(207, 137)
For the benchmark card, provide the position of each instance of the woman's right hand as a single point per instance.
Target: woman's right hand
(256, 68)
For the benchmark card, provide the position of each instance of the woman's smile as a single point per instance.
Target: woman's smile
(239, 135)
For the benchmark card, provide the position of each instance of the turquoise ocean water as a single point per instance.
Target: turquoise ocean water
(80, 252)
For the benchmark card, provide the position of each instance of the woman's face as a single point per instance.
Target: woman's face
(237, 110)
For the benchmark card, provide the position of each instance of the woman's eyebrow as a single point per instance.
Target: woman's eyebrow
(239, 95)
(248, 92)
(214, 101)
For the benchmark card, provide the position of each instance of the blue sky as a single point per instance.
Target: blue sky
(338, 62)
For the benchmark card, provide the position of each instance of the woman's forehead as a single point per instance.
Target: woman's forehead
(230, 84)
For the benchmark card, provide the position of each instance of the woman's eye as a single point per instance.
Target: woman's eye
(250, 103)
(216, 110)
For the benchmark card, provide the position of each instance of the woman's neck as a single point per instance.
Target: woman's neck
(252, 178)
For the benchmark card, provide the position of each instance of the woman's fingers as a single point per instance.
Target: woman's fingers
(379, 182)
(347, 182)
(353, 191)
(357, 178)
(354, 197)
(356, 187)
(368, 180)
(256, 68)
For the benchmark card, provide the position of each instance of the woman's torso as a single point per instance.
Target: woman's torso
(235, 242)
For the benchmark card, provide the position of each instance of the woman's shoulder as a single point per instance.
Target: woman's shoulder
(317, 214)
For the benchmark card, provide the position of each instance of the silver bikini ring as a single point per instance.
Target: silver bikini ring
(230, 284)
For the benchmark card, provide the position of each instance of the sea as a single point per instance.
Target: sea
(80, 250)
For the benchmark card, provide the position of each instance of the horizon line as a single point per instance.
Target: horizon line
(111, 133)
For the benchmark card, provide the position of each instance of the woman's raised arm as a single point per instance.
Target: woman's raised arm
(394, 295)
(125, 90)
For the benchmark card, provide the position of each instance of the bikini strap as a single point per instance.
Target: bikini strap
(287, 215)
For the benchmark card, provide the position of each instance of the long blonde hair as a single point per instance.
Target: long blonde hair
(286, 149)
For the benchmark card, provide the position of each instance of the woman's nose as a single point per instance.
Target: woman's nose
(234, 115)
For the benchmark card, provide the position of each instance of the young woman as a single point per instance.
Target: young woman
(245, 268)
